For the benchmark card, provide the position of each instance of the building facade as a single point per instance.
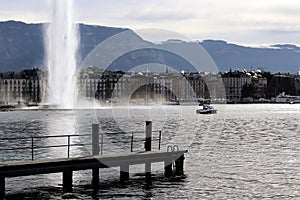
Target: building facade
(234, 82)
(22, 87)
(142, 86)
(238, 86)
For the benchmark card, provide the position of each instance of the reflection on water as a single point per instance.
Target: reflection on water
(58, 123)
(244, 151)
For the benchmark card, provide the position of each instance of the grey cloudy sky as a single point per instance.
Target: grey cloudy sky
(254, 22)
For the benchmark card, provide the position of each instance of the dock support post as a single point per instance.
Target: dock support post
(95, 151)
(148, 141)
(67, 180)
(168, 168)
(179, 165)
(148, 170)
(124, 173)
(95, 178)
(2, 187)
(148, 136)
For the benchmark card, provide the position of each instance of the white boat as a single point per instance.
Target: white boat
(283, 98)
(207, 109)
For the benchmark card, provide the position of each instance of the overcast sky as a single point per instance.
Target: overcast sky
(254, 22)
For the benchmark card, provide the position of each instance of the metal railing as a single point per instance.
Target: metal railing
(143, 140)
(33, 142)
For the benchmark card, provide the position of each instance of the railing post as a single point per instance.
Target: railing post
(68, 146)
(159, 140)
(131, 145)
(102, 134)
(31, 148)
(148, 140)
(148, 136)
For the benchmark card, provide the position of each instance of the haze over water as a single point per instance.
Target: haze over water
(61, 40)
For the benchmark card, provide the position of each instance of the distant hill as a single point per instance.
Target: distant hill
(277, 58)
(22, 46)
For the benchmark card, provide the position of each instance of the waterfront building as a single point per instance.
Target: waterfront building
(144, 86)
(297, 84)
(282, 83)
(22, 87)
(194, 86)
(117, 86)
(234, 82)
(260, 85)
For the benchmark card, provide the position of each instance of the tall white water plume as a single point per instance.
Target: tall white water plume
(61, 48)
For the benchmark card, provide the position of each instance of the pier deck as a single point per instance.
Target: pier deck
(68, 165)
(173, 161)
(24, 168)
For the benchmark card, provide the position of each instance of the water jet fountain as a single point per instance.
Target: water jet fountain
(61, 49)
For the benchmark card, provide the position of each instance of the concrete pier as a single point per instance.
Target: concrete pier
(68, 165)
(173, 160)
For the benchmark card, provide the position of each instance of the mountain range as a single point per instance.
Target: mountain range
(22, 47)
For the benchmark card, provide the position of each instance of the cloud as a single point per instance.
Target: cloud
(194, 18)
(28, 11)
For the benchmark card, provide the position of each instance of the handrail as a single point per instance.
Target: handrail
(175, 147)
(172, 148)
(32, 140)
(73, 135)
(46, 136)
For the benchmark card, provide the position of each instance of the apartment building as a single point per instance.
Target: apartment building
(26, 86)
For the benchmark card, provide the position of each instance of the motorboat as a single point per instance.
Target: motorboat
(207, 109)
(283, 98)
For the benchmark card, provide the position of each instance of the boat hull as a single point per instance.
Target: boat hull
(201, 111)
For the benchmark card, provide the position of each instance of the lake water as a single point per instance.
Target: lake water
(242, 152)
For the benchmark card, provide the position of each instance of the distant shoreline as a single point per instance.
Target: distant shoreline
(11, 107)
